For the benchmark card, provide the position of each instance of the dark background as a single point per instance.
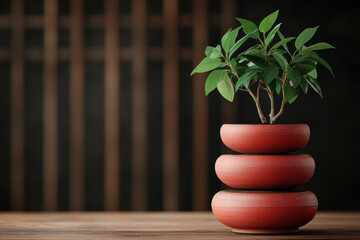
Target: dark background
(334, 120)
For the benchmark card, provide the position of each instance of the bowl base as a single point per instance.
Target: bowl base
(264, 231)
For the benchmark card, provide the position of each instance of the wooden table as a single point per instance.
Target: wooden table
(156, 225)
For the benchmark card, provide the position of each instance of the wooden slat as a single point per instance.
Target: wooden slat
(77, 94)
(228, 109)
(34, 21)
(98, 21)
(17, 106)
(112, 88)
(171, 106)
(5, 20)
(200, 109)
(50, 105)
(138, 110)
(97, 54)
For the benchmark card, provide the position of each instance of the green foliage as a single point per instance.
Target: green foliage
(248, 27)
(213, 79)
(226, 88)
(268, 22)
(270, 64)
(208, 64)
(228, 40)
(304, 37)
(270, 74)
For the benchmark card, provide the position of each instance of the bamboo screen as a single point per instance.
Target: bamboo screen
(120, 126)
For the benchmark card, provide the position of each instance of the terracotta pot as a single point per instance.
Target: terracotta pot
(264, 212)
(265, 138)
(264, 171)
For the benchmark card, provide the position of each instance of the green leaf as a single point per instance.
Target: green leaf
(216, 52)
(208, 50)
(313, 74)
(233, 63)
(314, 84)
(271, 34)
(241, 42)
(278, 86)
(291, 100)
(279, 51)
(226, 89)
(304, 85)
(318, 46)
(254, 50)
(305, 66)
(299, 59)
(304, 37)
(240, 70)
(248, 27)
(230, 41)
(272, 86)
(245, 79)
(290, 93)
(280, 59)
(282, 42)
(309, 53)
(259, 61)
(295, 76)
(213, 79)
(282, 39)
(213, 52)
(208, 64)
(268, 22)
(225, 38)
(322, 62)
(270, 75)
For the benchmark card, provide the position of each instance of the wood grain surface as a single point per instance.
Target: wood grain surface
(156, 225)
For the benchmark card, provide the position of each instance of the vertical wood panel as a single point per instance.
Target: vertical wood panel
(139, 110)
(112, 88)
(77, 89)
(171, 105)
(50, 104)
(17, 106)
(200, 109)
(228, 109)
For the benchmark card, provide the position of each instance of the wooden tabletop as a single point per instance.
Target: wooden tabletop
(159, 225)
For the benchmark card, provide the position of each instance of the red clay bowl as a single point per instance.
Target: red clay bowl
(264, 212)
(264, 171)
(265, 138)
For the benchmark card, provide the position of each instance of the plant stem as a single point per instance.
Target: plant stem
(283, 102)
(261, 115)
(272, 110)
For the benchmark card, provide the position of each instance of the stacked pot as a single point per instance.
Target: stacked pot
(264, 177)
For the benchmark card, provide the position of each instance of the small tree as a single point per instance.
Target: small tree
(265, 66)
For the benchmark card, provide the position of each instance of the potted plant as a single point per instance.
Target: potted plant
(280, 70)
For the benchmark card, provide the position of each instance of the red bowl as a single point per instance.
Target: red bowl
(265, 138)
(264, 212)
(264, 171)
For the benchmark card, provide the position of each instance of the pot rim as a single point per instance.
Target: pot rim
(268, 125)
(265, 191)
